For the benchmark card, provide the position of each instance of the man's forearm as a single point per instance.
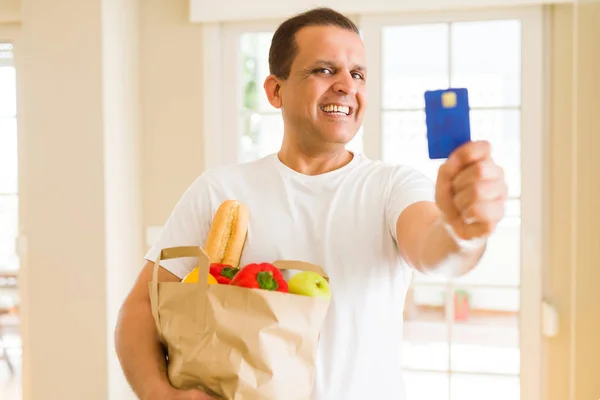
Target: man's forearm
(140, 352)
(439, 253)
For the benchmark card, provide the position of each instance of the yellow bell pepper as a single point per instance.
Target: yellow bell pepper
(192, 277)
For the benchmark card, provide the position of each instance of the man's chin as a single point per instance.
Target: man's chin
(339, 137)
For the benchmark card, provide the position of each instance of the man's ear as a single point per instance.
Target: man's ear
(272, 88)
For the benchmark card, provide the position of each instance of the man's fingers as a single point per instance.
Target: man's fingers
(483, 191)
(193, 394)
(471, 152)
(491, 211)
(485, 170)
(471, 190)
(443, 197)
(479, 220)
(468, 153)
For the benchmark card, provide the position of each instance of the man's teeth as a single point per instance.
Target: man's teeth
(333, 108)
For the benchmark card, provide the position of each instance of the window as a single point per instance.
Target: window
(9, 204)
(262, 127)
(477, 336)
(462, 337)
(476, 316)
(8, 161)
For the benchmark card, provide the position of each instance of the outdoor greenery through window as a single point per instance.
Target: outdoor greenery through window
(262, 127)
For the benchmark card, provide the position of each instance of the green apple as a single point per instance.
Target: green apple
(309, 283)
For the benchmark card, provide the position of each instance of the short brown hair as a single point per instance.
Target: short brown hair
(284, 48)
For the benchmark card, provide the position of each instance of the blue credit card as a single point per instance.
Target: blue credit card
(447, 119)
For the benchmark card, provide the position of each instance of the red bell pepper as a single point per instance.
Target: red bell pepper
(261, 276)
(223, 273)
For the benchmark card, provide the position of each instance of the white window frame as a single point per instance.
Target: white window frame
(207, 11)
(8, 34)
(534, 152)
(231, 87)
(221, 138)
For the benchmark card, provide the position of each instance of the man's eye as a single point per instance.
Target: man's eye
(324, 71)
(356, 75)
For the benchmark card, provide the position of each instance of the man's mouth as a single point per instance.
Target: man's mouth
(336, 109)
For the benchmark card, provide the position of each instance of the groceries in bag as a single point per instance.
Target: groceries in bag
(253, 336)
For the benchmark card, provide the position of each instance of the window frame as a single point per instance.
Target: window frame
(220, 147)
(8, 35)
(232, 87)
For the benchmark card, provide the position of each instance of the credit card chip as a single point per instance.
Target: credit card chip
(449, 99)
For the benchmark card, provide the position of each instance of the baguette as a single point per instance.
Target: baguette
(227, 234)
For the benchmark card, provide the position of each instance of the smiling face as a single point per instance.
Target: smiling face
(324, 98)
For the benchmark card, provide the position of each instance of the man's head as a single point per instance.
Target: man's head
(318, 78)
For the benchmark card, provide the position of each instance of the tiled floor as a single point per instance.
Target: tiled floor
(483, 344)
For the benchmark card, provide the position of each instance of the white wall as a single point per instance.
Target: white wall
(122, 167)
(80, 190)
(10, 11)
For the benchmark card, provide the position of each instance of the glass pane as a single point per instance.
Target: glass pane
(263, 134)
(8, 254)
(8, 155)
(476, 387)
(501, 262)
(428, 279)
(485, 333)
(513, 208)
(502, 128)
(9, 215)
(486, 59)
(427, 385)
(425, 339)
(255, 69)
(6, 54)
(8, 95)
(408, 70)
(405, 141)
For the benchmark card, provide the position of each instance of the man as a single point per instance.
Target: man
(367, 223)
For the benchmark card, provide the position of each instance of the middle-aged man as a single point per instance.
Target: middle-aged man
(369, 224)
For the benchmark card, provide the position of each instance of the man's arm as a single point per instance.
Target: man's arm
(469, 202)
(426, 245)
(138, 347)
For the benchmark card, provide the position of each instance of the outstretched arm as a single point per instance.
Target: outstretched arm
(469, 203)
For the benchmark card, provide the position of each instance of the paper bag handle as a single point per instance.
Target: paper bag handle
(301, 266)
(178, 252)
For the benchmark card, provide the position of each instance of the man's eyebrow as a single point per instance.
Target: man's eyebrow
(325, 63)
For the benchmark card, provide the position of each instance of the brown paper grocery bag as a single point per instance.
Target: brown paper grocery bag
(237, 343)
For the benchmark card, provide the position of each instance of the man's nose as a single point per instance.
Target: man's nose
(345, 83)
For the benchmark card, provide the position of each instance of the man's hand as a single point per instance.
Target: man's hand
(138, 346)
(471, 191)
(192, 395)
(174, 394)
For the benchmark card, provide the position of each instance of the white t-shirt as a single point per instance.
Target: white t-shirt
(344, 221)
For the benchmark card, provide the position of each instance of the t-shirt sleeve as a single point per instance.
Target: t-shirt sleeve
(407, 186)
(187, 225)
